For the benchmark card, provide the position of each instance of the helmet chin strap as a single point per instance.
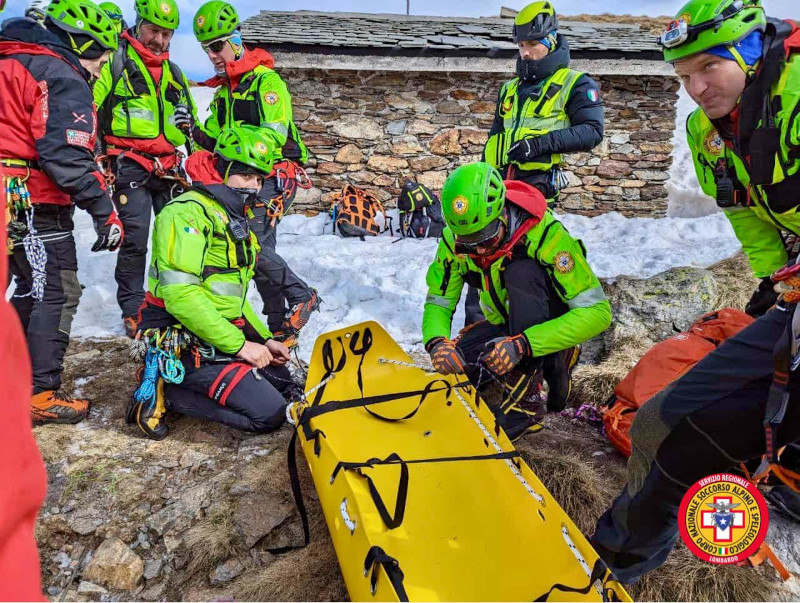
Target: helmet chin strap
(749, 70)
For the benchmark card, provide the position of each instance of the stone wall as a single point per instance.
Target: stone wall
(376, 129)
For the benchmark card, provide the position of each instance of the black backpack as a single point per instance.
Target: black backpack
(420, 212)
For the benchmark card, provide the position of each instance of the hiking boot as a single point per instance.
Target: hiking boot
(149, 414)
(557, 370)
(131, 326)
(296, 318)
(786, 501)
(52, 406)
(516, 421)
(525, 389)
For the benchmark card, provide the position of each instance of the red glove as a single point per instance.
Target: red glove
(110, 235)
(446, 357)
(504, 353)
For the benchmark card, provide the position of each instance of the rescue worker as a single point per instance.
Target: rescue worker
(46, 165)
(547, 110)
(538, 293)
(114, 13)
(204, 255)
(137, 96)
(739, 66)
(249, 91)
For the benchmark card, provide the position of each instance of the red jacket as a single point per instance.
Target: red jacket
(47, 117)
(23, 481)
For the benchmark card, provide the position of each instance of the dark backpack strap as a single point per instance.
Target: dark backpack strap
(117, 66)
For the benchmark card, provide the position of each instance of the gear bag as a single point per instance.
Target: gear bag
(661, 365)
(420, 212)
(354, 213)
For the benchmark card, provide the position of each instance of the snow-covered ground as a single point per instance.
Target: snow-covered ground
(383, 278)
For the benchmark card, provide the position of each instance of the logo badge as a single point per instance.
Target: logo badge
(261, 148)
(123, 199)
(271, 98)
(593, 95)
(460, 205)
(166, 8)
(713, 143)
(564, 262)
(723, 519)
(201, 20)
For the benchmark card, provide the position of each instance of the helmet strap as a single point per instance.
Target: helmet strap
(749, 70)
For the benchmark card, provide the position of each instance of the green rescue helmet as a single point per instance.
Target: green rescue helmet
(473, 202)
(215, 19)
(703, 24)
(163, 13)
(84, 17)
(534, 22)
(247, 145)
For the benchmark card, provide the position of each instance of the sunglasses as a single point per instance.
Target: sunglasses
(215, 46)
(463, 247)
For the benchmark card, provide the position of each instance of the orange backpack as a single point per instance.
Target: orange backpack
(661, 365)
(354, 212)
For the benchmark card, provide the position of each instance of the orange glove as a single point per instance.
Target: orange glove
(446, 357)
(504, 353)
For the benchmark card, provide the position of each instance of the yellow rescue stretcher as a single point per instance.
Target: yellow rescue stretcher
(425, 498)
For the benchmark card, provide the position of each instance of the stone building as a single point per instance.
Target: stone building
(383, 98)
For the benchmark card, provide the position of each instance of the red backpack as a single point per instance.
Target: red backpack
(661, 365)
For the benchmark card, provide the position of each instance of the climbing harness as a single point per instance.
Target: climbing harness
(18, 204)
(289, 176)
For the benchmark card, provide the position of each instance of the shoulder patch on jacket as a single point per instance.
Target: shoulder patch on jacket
(564, 262)
(271, 97)
(79, 138)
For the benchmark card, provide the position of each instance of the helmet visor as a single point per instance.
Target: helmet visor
(481, 238)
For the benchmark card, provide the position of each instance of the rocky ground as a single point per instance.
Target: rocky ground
(192, 517)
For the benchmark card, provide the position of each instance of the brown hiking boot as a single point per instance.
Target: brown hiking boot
(131, 326)
(56, 407)
(296, 318)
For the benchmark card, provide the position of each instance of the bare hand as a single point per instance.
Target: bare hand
(256, 354)
(280, 353)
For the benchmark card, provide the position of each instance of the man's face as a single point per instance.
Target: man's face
(93, 66)
(252, 181)
(532, 51)
(219, 53)
(714, 83)
(156, 39)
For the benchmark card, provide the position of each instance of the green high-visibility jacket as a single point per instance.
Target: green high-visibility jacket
(526, 117)
(763, 209)
(201, 272)
(564, 258)
(139, 108)
(260, 98)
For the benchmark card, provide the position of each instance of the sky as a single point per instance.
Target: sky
(186, 52)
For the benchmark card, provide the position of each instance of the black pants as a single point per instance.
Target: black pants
(47, 323)
(706, 422)
(231, 394)
(531, 301)
(275, 281)
(137, 193)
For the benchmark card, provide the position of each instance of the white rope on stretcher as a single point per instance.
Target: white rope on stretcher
(489, 437)
(568, 539)
(305, 398)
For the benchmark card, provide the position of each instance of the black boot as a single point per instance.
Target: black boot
(558, 374)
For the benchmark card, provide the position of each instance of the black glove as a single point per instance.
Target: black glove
(109, 235)
(763, 299)
(184, 120)
(524, 150)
